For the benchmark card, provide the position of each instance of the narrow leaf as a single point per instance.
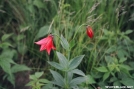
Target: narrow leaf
(6, 36)
(64, 43)
(44, 81)
(111, 49)
(56, 65)
(122, 60)
(63, 60)
(42, 32)
(39, 4)
(76, 81)
(17, 68)
(128, 31)
(102, 69)
(127, 81)
(125, 67)
(105, 76)
(38, 74)
(6, 66)
(75, 62)
(58, 78)
(77, 71)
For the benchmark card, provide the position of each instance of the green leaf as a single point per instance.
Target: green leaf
(38, 74)
(6, 66)
(111, 67)
(58, 78)
(33, 77)
(44, 81)
(42, 32)
(6, 60)
(64, 43)
(72, 43)
(56, 65)
(122, 60)
(131, 63)
(109, 59)
(125, 67)
(11, 78)
(90, 79)
(77, 71)
(63, 60)
(105, 76)
(75, 62)
(128, 31)
(48, 86)
(5, 63)
(111, 49)
(113, 79)
(127, 81)
(8, 55)
(20, 37)
(126, 72)
(69, 76)
(120, 53)
(5, 45)
(17, 68)
(6, 36)
(102, 69)
(117, 83)
(30, 83)
(76, 81)
(39, 4)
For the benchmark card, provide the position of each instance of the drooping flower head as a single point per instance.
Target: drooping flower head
(46, 44)
(90, 32)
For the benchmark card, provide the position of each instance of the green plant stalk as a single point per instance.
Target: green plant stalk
(91, 57)
(66, 72)
(66, 79)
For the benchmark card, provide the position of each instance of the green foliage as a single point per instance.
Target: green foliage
(116, 57)
(36, 82)
(69, 68)
(7, 58)
(64, 43)
(108, 56)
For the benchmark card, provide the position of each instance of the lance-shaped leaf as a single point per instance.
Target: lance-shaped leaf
(76, 81)
(63, 60)
(56, 65)
(58, 78)
(77, 71)
(75, 62)
(64, 43)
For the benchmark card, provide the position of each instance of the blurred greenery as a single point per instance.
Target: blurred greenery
(108, 56)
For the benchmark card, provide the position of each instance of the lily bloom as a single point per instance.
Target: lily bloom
(46, 44)
(90, 32)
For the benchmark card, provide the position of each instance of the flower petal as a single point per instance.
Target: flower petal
(46, 44)
(42, 41)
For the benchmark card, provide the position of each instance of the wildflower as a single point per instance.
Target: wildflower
(46, 44)
(90, 32)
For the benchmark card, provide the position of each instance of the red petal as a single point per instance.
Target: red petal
(89, 31)
(46, 44)
(43, 47)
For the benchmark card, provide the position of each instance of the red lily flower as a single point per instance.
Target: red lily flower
(90, 32)
(46, 44)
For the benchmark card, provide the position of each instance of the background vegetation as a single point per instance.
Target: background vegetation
(109, 56)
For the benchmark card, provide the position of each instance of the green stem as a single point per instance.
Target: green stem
(66, 78)
(50, 26)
